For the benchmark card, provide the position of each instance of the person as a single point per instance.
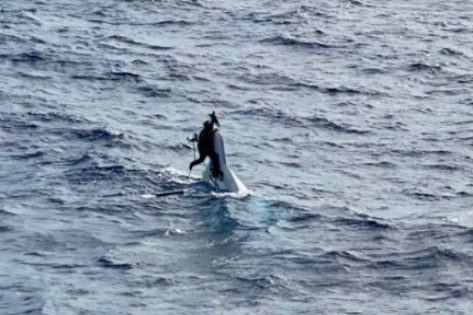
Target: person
(205, 145)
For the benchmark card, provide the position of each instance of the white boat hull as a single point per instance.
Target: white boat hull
(229, 182)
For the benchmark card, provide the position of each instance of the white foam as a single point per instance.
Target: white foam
(236, 195)
(174, 232)
(180, 176)
(147, 196)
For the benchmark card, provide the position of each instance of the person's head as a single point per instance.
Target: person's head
(207, 125)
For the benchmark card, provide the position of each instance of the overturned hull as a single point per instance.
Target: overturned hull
(229, 182)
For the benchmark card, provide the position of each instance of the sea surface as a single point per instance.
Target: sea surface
(351, 122)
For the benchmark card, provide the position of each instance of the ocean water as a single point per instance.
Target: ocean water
(351, 121)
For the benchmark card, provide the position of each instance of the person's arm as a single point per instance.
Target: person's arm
(214, 120)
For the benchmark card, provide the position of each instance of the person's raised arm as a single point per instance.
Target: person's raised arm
(214, 119)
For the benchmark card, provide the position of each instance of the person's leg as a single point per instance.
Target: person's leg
(201, 159)
(216, 171)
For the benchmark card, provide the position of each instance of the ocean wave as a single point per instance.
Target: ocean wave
(152, 91)
(460, 29)
(334, 90)
(181, 148)
(357, 3)
(95, 134)
(149, 233)
(297, 43)
(382, 164)
(124, 76)
(444, 167)
(291, 164)
(101, 17)
(387, 264)
(153, 282)
(364, 222)
(282, 81)
(435, 233)
(29, 57)
(419, 153)
(55, 117)
(344, 256)
(46, 61)
(112, 170)
(127, 40)
(419, 194)
(448, 51)
(20, 17)
(324, 123)
(33, 76)
(172, 23)
(299, 16)
(420, 66)
(6, 228)
(5, 212)
(270, 113)
(42, 123)
(108, 262)
(465, 194)
(6, 38)
(109, 76)
(305, 218)
(445, 291)
(85, 158)
(58, 267)
(433, 257)
(257, 282)
(463, 79)
(422, 259)
(28, 156)
(13, 125)
(115, 180)
(375, 71)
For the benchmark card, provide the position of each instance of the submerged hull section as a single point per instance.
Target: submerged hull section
(229, 182)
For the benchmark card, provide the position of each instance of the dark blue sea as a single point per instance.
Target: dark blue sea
(351, 122)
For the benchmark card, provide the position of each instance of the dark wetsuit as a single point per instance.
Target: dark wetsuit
(206, 149)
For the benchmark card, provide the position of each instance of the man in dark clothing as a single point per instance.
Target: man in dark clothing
(205, 145)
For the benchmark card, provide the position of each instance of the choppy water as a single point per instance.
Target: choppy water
(351, 122)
